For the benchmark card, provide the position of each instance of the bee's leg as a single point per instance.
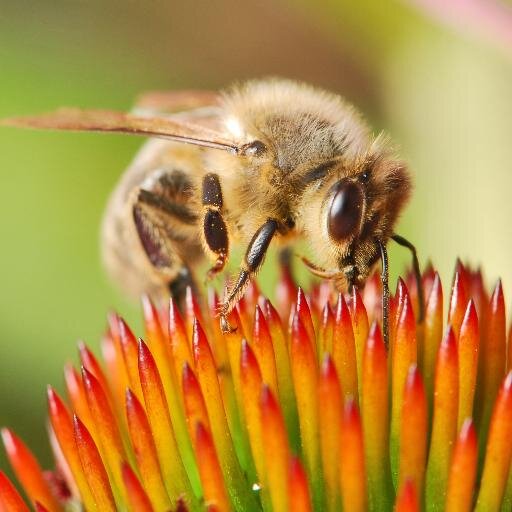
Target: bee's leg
(166, 226)
(215, 231)
(417, 274)
(253, 259)
(385, 293)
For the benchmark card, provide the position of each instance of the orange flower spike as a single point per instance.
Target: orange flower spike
(180, 344)
(303, 311)
(498, 451)
(219, 346)
(175, 477)
(62, 425)
(305, 380)
(28, 471)
(276, 450)
(509, 349)
(138, 500)
(89, 361)
(114, 358)
(286, 291)
(195, 408)
(145, 452)
(413, 432)
(352, 465)
(245, 317)
(344, 349)
(360, 328)
(93, 468)
(210, 471)
(283, 368)
(209, 382)
(161, 355)
(326, 332)
(130, 355)
(109, 436)
(251, 383)
(10, 500)
(444, 424)
(463, 467)
(458, 301)
(468, 362)
(264, 350)
(298, 492)
(77, 396)
(404, 355)
(432, 333)
(330, 400)
(192, 312)
(492, 357)
(375, 417)
(407, 498)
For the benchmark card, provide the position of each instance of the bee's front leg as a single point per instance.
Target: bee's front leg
(215, 232)
(253, 259)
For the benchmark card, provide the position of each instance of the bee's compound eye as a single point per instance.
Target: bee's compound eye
(255, 148)
(345, 210)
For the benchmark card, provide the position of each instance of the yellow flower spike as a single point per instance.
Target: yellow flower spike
(375, 417)
(326, 332)
(360, 328)
(180, 343)
(264, 351)
(444, 423)
(284, 372)
(498, 452)
(93, 468)
(160, 351)
(330, 410)
(109, 441)
(175, 477)
(195, 408)
(413, 432)
(404, 355)
(209, 468)
(137, 497)
(432, 334)
(344, 349)
(305, 380)
(276, 450)
(492, 361)
(245, 317)
(352, 465)
(145, 452)
(458, 301)
(468, 362)
(131, 357)
(62, 425)
(463, 466)
(208, 380)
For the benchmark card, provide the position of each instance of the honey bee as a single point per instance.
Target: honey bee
(268, 161)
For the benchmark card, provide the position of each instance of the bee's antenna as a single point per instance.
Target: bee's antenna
(400, 240)
(385, 293)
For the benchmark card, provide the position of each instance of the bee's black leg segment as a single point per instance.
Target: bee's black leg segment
(417, 274)
(215, 231)
(253, 260)
(385, 293)
(178, 287)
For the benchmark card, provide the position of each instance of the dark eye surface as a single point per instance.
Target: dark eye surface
(345, 210)
(255, 148)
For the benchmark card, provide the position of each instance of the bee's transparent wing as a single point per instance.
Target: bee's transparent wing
(183, 129)
(170, 102)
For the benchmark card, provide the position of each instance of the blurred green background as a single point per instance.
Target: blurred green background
(442, 89)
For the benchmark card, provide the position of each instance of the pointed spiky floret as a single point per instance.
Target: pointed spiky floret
(301, 410)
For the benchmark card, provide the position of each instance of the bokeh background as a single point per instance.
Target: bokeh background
(438, 78)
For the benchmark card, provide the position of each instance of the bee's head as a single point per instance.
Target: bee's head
(353, 209)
